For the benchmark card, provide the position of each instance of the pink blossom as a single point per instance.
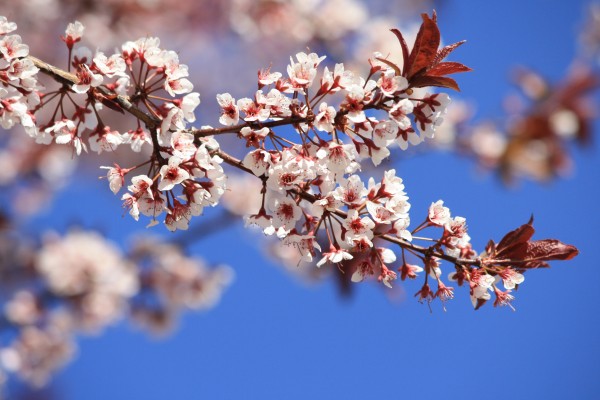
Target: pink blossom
(306, 245)
(266, 77)
(183, 145)
(390, 84)
(172, 174)
(6, 26)
(351, 191)
(64, 132)
(503, 298)
(229, 114)
(334, 256)
(387, 276)
(73, 33)
(253, 110)
(511, 278)
(325, 118)
(178, 217)
(364, 269)
(303, 72)
(116, 177)
(188, 104)
(105, 140)
(285, 212)
(12, 48)
(87, 79)
(438, 214)
(110, 66)
(258, 161)
(399, 113)
(409, 270)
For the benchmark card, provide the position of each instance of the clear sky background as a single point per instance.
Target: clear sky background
(275, 337)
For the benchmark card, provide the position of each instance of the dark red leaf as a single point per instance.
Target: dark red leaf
(404, 49)
(514, 244)
(447, 68)
(426, 45)
(445, 51)
(550, 249)
(439, 81)
(517, 248)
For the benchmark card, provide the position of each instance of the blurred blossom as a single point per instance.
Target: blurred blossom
(590, 34)
(36, 353)
(565, 123)
(81, 283)
(172, 281)
(92, 272)
(243, 195)
(533, 143)
(298, 20)
(33, 173)
(22, 309)
(458, 114)
(488, 143)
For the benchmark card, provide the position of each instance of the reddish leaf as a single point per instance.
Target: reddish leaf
(515, 242)
(439, 81)
(445, 51)
(426, 46)
(404, 49)
(447, 68)
(517, 248)
(423, 66)
(550, 249)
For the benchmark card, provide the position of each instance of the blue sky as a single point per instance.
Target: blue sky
(275, 337)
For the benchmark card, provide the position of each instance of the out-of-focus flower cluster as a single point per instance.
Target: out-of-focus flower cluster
(170, 282)
(81, 283)
(533, 143)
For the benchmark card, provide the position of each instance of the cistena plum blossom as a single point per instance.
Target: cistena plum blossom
(313, 193)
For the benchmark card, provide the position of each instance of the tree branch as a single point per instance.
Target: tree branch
(151, 122)
(69, 79)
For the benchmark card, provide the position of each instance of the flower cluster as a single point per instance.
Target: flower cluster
(18, 83)
(315, 184)
(153, 78)
(314, 194)
(193, 170)
(533, 143)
